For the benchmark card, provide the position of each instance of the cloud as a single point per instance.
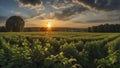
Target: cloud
(58, 4)
(98, 21)
(61, 6)
(15, 12)
(36, 17)
(106, 5)
(64, 14)
(30, 3)
(68, 9)
(74, 21)
(104, 20)
(69, 13)
(3, 19)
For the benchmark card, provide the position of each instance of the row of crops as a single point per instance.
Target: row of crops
(59, 50)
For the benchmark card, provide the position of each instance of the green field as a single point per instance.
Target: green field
(59, 50)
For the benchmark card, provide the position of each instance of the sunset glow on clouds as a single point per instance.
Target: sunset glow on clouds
(62, 13)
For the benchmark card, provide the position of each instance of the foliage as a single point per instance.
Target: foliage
(59, 50)
(15, 24)
(105, 28)
(2, 29)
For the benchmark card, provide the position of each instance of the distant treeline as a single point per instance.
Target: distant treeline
(105, 28)
(42, 29)
(37, 29)
(99, 28)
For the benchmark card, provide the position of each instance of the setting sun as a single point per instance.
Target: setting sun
(49, 25)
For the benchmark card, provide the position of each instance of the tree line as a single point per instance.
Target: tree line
(105, 28)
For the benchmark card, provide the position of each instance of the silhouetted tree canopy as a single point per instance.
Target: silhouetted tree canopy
(105, 28)
(15, 24)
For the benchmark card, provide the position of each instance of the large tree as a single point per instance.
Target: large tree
(15, 24)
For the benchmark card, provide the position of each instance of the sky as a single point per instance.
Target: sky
(62, 13)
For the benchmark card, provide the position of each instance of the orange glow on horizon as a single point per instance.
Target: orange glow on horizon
(49, 25)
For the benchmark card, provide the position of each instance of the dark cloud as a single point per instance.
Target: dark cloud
(64, 14)
(70, 9)
(94, 4)
(69, 13)
(45, 4)
(104, 20)
(99, 21)
(53, 3)
(100, 4)
(30, 3)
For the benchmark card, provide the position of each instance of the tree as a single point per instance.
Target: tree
(105, 28)
(15, 24)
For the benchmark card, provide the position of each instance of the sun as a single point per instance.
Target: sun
(49, 25)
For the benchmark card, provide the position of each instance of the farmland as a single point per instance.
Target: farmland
(59, 50)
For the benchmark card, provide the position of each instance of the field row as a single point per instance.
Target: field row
(59, 50)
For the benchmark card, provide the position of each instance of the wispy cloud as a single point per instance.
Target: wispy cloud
(106, 5)
(69, 13)
(15, 12)
(103, 20)
(34, 4)
(59, 4)
(3, 18)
